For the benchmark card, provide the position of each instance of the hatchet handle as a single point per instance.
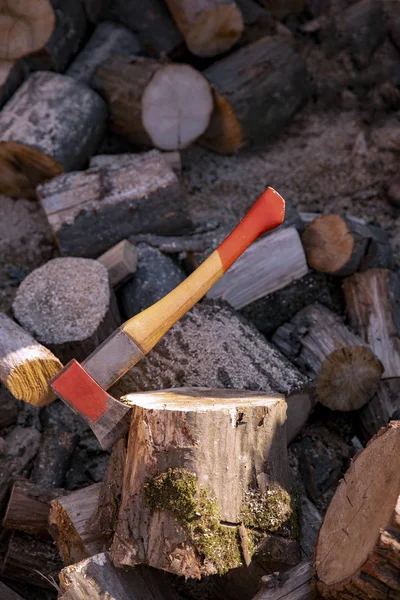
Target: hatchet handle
(149, 326)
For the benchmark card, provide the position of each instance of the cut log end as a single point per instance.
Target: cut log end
(328, 243)
(29, 381)
(215, 31)
(23, 168)
(224, 134)
(176, 107)
(25, 28)
(348, 378)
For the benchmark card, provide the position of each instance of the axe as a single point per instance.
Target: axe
(83, 386)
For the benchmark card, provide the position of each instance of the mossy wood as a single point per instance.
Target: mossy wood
(346, 371)
(357, 553)
(201, 463)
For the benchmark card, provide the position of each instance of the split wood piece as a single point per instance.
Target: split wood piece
(209, 27)
(66, 40)
(253, 94)
(341, 246)
(107, 39)
(372, 305)
(12, 74)
(90, 211)
(299, 408)
(67, 304)
(381, 408)
(31, 560)
(68, 520)
(173, 159)
(266, 266)
(97, 578)
(357, 554)
(8, 407)
(120, 262)
(294, 584)
(346, 372)
(25, 28)
(151, 20)
(29, 507)
(26, 366)
(154, 104)
(51, 124)
(105, 514)
(7, 593)
(53, 458)
(175, 479)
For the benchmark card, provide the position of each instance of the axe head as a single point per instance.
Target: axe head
(108, 418)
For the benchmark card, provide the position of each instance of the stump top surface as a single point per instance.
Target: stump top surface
(64, 300)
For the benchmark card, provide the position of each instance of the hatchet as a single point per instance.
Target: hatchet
(83, 386)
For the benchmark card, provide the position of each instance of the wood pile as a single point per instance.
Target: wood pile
(256, 457)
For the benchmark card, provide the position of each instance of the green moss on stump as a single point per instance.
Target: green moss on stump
(268, 511)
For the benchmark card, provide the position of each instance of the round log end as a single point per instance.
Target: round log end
(29, 381)
(215, 31)
(328, 243)
(348, 378)
(357, 552)
(25, 27)
(224, 134)
(176, 106)
(23, 168)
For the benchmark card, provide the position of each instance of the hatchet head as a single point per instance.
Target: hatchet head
(83, 387)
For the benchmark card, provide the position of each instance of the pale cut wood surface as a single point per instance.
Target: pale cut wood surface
(120, 262)
(295, 584)
(25, 30)
(209, 27)
(372, 304)
(266, 266)
(26, 366)
(357, 551)
(68, 519)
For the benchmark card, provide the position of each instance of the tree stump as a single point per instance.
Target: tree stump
(167, 106)
(189, 506)
(209, 27)
(346, 372)
(51, 124)
(68, 304)
(26, 366)
(357, 552)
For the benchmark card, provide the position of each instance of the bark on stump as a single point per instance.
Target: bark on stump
(167, 106)
(26, 366)
(340, 246)
(188, 505)
(346, 372)
(51, 124)
(209, 27)
(68, 304)
(141, 197)
(357, 552)
(262, 85)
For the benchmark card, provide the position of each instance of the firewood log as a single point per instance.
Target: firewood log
(52, 303)
(51, 124)
(8, 594)
(167, 106)
(341, 246)
(185, 492)
(28, 508)
(12, 74)
(26, 366)
(173, 159)
(291, 585)
(381, 408)
(66, 39)
(120, 262)
(268, 265)
(8, 408)
(346, 371)
(107, 39)
(357, 553)
(140, 197)
(53, 458)
(95, 9)
(97, 578)
(311, 520)
(31, 560)
(372, 299)
(68, 519)
(209, 27)
(252, 82)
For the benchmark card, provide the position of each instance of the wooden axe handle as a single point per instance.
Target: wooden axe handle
(149, 326)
